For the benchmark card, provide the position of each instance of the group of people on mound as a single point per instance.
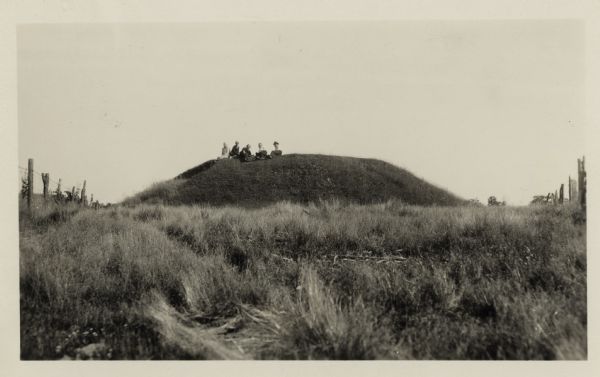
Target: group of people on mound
(245, 154)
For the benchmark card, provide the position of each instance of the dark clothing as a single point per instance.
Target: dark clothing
(262, 155)
(235, 151)
(246, 155)
(276, 153)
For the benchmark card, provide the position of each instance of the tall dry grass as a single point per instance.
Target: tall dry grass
(226, 282)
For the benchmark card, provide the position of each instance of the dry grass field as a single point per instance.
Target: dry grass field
(315, 281)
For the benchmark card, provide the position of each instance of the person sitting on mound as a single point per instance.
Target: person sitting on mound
(235, 151)
(262, 153)
(246, 154)
(276, 152)
(224, 152)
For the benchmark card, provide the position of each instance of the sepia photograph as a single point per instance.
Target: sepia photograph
(302, 190)
(323, 190)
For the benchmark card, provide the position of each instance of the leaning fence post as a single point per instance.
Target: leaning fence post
(29, 182)
(561, 193)
(83, 198)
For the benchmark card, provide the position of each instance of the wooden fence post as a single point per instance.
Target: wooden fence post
(29, 182)
(578, 177)
(582, 182)
(46, 181)
(83, 198)
(59, 196)
(561, 194)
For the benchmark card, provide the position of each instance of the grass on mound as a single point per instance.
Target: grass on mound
(299, 178)
(157, 282)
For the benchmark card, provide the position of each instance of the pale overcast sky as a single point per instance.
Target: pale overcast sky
(478, 107)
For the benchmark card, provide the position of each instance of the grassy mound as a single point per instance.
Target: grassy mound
(298, 178)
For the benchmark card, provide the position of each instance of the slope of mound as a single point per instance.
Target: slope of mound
(298, 178)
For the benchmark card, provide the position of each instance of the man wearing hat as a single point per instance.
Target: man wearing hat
(276, 152)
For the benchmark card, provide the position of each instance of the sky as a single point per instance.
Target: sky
(479, 108)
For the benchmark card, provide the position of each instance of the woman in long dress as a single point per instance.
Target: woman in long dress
(224, 151)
